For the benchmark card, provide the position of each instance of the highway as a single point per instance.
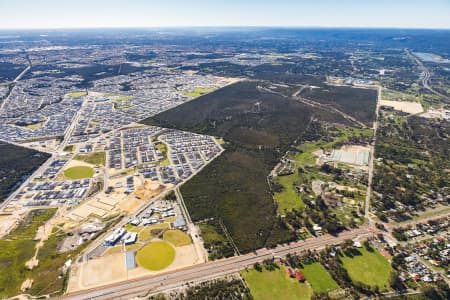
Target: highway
(426, 75)
(209, 270)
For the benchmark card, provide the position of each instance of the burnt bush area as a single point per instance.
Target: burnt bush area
(356, 102)
(16, 163)
(258, 128)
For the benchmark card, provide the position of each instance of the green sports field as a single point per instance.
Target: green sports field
(156, 256)
(269, 285)
(319, 278)
(370, 268)
(177, 238)
(79, 172)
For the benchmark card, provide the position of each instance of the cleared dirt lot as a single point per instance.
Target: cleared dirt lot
(404, 106)
(111, 268)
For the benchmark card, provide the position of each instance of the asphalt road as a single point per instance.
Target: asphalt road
(210, 270)
(426, 75)
(371, 160)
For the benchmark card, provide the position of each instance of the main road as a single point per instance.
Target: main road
(426, 75)
(210, 270)
(372, 158)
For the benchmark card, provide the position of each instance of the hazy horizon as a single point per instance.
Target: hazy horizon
(102, 14)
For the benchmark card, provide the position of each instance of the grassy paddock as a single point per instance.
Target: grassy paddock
(370, 268)
(319, 278)
(268, 285)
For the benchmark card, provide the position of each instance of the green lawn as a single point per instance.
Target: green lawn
(155, 256)
(77, 94)
(146, 233)
(370, 268)
(319, 278)
(162, 147)
(288, 199)
(269, 285)
(177, 238)
(79, 172)
(95, 158)
(197, 92)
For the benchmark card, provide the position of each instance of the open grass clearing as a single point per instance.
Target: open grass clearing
(146, 233)
(16, 249)
(197, 92)
(319, 278)
(95, 158)
(78, 94)
(268, 285)
(177, 238)
(79, 172)
(370, 268)
(156, 256)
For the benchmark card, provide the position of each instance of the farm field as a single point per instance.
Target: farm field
(370, 268)
(155, 256)
(276, 284)
(79, 172)
(319, 278)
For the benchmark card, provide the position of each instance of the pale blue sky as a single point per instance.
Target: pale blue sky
(168, 13)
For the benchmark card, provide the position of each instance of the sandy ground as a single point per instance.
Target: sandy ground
(355, 148)
(404, 106)
(26, 285)
(319, 154)
(111, 268)
(143, 194)
(103, 205)
(42, 235)
(316, 186)
(7, 222)
(77, 163)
